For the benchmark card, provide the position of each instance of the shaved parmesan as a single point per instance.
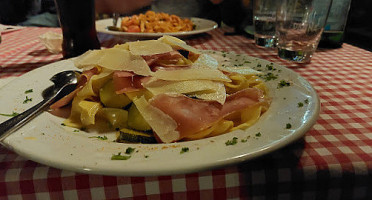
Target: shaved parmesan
(244, 70)
(202, 89)
(192, 73)
(178, 44)
(205, 60)
(219, 94)
(149, 47)
(114, 59)
(89, 58)
(122, 46)
(162, 124)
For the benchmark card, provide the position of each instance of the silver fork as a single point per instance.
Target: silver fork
(115, 18)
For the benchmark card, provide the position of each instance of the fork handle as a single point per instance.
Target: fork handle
(10, 125)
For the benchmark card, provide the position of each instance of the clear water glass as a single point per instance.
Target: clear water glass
(264, 14)
(299, 26)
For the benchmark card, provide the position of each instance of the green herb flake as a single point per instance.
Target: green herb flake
(146, 156)
(76, 130)
(232, 142)
(119, 157)
(100, 137)
(29, 91)
(300, 104)
(258, 134)
(243, 140)
(270, 66)
(129, 150)
(184, 150)
(27, 100)
(10, 115)
(306, 101)
(283, 83)
(288, 126)
(62, 124)
(269, 76)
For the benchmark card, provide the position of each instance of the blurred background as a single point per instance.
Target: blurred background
(359, 26)
(234, 13)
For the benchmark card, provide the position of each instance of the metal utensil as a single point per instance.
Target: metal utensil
(115, 18)
(64, 83)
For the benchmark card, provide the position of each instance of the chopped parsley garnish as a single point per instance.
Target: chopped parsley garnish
(129, 150)
(76, 130)
(119, 157)
(10, 115)
(244, 140)
(306, 101)
(146, 156)
(300, 104)
(232, 142)
(29, 91)
(269, 76)
(288, 126)
(270, 67)
(258, 134)
(100, 137)
(27, 100)
(184, 150)
(283, 83)
(63, 124)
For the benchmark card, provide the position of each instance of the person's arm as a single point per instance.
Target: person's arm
(120, 6)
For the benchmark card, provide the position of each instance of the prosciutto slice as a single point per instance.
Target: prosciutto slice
(193, 115)
(83, 79)
(154, 61)
(125, 81)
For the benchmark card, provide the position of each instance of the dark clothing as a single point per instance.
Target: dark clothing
(28, 12)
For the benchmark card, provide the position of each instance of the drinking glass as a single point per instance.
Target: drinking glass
(299, 26)
(264, 14)
(77, 19)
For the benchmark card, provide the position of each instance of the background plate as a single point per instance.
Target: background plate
(46, 141)
(201, 26)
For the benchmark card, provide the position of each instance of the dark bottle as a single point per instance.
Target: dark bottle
(333, 34)
(77, 19)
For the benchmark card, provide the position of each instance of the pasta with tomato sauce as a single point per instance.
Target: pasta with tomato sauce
(152, 22)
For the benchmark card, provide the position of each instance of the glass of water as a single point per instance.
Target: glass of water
(299, 26)
(264, 14)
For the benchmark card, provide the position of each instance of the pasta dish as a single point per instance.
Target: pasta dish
(152, 22)
(163, 91)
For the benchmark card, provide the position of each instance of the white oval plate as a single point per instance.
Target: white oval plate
(46, 141)
(201, 26)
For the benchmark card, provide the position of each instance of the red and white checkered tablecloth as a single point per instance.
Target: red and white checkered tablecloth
(332, 161)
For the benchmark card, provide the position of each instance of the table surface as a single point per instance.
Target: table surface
(332, 161)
